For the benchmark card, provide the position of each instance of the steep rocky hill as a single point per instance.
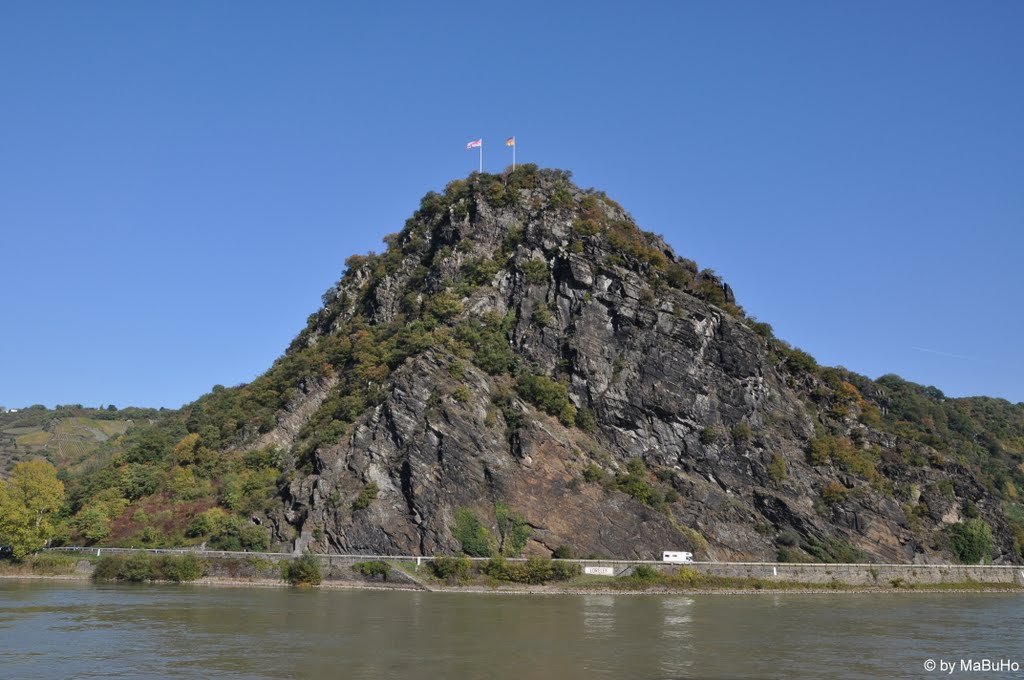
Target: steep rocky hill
(524, 369)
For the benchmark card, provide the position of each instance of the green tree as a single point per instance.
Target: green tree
(28, 503)
(92, 523)
(971, 541)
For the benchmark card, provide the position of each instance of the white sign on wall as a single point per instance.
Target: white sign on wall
(599, 571)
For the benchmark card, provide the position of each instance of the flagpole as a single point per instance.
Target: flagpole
(481, 157)
(513, 154)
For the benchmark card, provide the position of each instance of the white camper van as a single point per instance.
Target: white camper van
(678, 557)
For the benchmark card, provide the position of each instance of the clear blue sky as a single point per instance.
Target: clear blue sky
(180, 181)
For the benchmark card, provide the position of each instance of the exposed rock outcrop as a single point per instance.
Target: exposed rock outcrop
(658, 365)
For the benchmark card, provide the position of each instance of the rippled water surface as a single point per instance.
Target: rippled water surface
(79, 630)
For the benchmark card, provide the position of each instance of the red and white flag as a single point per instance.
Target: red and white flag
(475, 144)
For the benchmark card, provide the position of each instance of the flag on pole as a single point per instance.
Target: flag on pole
(478, 144)
(511, 141)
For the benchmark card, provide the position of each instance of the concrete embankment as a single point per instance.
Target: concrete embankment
(242, 567)
(866, 575)
(413, 572)
(885, 575)
(341, 570)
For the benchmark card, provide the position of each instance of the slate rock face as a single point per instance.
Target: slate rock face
(659, 364)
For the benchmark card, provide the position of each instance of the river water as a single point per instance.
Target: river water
(51, 629)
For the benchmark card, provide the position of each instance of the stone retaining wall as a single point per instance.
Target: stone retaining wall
(338, 568)
(334, 569)
(862, 574)
(264, 566)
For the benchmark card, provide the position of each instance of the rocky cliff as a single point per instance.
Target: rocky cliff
(525, 367)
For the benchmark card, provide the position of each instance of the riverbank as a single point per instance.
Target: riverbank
(966, 588)
(340, 572)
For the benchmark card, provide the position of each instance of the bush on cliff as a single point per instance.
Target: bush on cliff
(513, 530)
(476, 539)
(971, 541)
(550, 396)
